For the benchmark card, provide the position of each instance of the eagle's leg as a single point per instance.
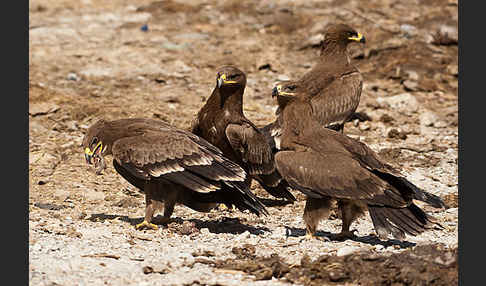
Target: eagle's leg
(170, 200)
(149, 211)
(349, 212)
(314, 211)
(168, 210)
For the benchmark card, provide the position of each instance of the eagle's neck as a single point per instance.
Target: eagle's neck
(334, 51)
(295, 119)
(227, 100)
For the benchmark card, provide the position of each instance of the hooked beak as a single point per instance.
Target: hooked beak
(222, 81)
(359, 38)
(275, 91)
(88, 155)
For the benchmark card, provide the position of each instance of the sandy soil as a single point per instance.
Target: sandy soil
(92, 59)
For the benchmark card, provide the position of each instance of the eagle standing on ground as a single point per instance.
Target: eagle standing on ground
(332, 87)
(221, 122)
(327, 166)
(170, 166)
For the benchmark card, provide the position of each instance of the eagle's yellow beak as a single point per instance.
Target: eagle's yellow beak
(88, 154)
(222, 80)
(360, 38)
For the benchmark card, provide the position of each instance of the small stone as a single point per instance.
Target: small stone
(453, 70)
(410, 85)
(364, 126)
(343, 251)
(72, 76)
(385, 118)
(396, 133)
(42, 108)
(408, 29)
(204, 231)
(404, 102)
(431, 119)
(282, 77)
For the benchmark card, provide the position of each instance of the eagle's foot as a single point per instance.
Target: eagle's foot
(146, 225)
(344, 235)
(311, 236)
(224, 207)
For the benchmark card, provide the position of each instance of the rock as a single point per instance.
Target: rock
(404, 102)
(42, 108)
(364, 126)
(430, 119)
(282, 77)
(453, 70)
(446, 35)
(385, 118)
(410, 85)
(409, 30)
(343, 251)
(173, 47)
(73, 76)
(412, 75)
(396, 133)
(204, 231)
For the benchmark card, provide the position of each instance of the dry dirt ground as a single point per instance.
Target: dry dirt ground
(92, 59)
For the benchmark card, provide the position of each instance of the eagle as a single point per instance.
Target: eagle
(221, 122)
(332, 87)
(328, 166)
(170, 166)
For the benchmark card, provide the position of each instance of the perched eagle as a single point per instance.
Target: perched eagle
(170, 166)
(327, 166)
(332, 87)
(221, 121)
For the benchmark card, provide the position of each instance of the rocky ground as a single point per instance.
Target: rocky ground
(93, 59)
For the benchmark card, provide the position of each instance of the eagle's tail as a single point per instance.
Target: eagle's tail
(410, 220)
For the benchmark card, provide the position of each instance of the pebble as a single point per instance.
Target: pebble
(404, 102)
(73, 76)
(343, 251)
(429, 118)
(282, 77)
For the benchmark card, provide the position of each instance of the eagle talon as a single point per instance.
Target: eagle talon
(224, 207)
(310, 236)
(344, 235)
(146, 225)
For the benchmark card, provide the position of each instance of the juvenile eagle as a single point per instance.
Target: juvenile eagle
(170, 166)
(332, 87)
(327, 166)
(221, 121)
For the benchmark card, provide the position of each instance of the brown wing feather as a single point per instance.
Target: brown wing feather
(255, 151)
(157, 154)
(338, 101)
(335, 175)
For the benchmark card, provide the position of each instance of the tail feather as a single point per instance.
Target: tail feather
(408, 187)
(275, 186)
(400, 221)
(382, 226)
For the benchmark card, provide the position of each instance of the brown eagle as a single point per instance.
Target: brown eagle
(170, 166)
(221, 121)
(328, 166)
(332, 87)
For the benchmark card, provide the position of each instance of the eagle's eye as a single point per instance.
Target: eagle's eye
(94, 141)
(233, 76)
